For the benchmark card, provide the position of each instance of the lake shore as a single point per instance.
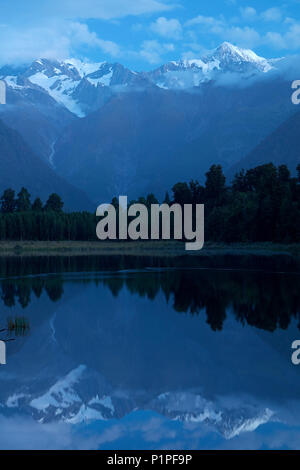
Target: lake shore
(36, 257)
(139, 248)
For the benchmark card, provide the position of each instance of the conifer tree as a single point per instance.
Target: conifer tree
(23, 203)
(8, 203)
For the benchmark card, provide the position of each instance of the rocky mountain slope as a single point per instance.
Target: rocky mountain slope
(280, 147)
(19, 166)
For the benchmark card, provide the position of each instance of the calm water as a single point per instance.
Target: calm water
(129, 357)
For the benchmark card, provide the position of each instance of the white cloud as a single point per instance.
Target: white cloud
(272, 14)
(246, 36)
(243, 36)
(152, 51)
(167, 28)
(292, 37)
(204, 20)
(108, 9)
(54, 40)
(275, 40)
(137, 27)
(289, 40)
(79, 9)
(248, 13)
(55, 28)
(80, 35)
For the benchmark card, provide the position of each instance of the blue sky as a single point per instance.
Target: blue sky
(142, 34)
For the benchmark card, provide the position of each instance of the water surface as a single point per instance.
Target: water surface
(130, 357)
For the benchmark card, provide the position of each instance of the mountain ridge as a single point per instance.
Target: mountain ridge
(82, 87)
(280, 147)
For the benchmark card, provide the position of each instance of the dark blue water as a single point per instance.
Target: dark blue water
(151, 359)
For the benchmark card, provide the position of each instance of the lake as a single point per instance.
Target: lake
(128, 354)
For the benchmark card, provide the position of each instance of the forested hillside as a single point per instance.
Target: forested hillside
(262, 204)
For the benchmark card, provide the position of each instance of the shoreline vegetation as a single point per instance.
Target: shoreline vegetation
(252, 224)
(260, 205)
(141, 248)
(39, 257)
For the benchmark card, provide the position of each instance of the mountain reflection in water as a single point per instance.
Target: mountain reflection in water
(149, 357)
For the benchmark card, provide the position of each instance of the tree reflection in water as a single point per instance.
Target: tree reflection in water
(264, 300)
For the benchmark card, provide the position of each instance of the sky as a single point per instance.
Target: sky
(143, 34)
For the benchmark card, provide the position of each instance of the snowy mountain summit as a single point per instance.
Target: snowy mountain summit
(230, 57)
(225, 59)
(83, 87)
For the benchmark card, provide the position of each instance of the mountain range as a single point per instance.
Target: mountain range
(109, 130)
(83, 87)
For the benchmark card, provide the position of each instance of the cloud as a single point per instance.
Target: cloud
(248, 13)
(24, 433)
(272, 14)
(289, 40)
(53, 40)
(152, 51)
(249, 36)
(167, 28)
(204, 20)
(87, 9)
(80, 35)
(275, 40)
(108, 9)
(244, 36)
(58, 29)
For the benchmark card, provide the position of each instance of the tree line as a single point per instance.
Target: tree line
(22, 220)
(261, 204)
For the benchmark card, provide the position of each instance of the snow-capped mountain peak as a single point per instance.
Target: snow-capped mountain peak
(228, 55)
(225, 59)
(225, 54)
(79, 86)
(83, 86)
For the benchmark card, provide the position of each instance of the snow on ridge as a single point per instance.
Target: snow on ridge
(13, 400)
(59, 90)
(249, 425)
(72, 82)
(105, 401)
(225, 53)
(11, 81)
(229, 51)
(62, 402)
(190, 408)
(246, 54)
(61, 394)
(85, 414)
(83, 68)
(104, 80)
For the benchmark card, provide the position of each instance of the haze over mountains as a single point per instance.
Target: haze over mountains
(282, 142)
(19, 166)
(109, 130)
